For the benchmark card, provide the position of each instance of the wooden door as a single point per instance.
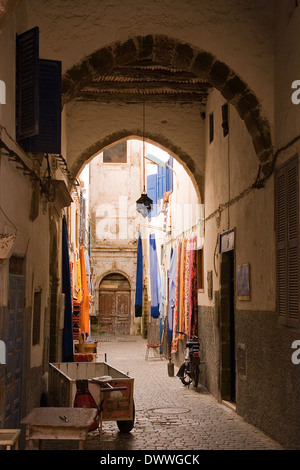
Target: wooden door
(107, 309)
(227, 329)
(114, 312)
(122, 317)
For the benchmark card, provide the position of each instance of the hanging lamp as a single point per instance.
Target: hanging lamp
(144, 204)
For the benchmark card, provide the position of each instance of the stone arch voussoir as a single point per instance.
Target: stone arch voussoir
(163, 50)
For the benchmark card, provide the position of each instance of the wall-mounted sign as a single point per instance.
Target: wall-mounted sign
(226, 240)
(243, 282)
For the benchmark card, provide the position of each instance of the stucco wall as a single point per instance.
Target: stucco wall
(70, 35)
(33, 237)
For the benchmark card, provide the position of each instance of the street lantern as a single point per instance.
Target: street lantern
(144, 204)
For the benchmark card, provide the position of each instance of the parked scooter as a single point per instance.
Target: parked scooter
(189, 370)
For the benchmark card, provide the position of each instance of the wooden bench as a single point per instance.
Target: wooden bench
(58, 423)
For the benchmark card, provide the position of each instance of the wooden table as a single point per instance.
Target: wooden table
(58, 423)
(10, 438)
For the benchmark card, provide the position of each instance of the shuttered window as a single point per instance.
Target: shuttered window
(152, 193)
(27, 84)
(48, 139)
(38, 91)
(164, 179)
(287, 242)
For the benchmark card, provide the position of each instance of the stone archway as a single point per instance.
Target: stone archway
(158, 140)
(169, 52)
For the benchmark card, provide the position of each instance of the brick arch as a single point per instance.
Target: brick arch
(159, 140)
(163, 50)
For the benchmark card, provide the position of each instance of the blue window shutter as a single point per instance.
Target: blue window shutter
(48, 139)
(27, 84)
(161, 182)
(169, 175)
(152, 193)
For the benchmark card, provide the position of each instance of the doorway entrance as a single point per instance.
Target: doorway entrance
(227, 329)
(15, 342)
(114, 305)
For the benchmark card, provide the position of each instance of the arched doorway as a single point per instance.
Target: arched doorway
(114, 305)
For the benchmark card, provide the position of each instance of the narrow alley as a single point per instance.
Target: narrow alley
(149, 195)
(169, 416)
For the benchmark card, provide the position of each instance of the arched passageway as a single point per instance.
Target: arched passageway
(176, 71)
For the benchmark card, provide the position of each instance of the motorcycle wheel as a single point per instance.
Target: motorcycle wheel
(196, 376)
(185, 379)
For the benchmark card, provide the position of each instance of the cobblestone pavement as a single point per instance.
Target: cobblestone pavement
(170, 416)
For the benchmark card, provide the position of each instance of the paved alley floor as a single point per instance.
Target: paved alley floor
(170, 416)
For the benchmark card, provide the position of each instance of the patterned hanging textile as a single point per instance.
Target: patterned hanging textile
(193, 295)
(85, 305)
(176, 313)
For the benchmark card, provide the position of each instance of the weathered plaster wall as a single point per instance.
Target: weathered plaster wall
(33, 236)
(70, 35)
(231, 167)
(287, 114)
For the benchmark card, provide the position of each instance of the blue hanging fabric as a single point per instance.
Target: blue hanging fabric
(154, 278)
(171, 304)
(139, 280)
(67, 347)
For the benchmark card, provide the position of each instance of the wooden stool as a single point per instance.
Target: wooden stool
(10, 438)
(152, 346)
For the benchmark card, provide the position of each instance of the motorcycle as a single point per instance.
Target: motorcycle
(189, 370)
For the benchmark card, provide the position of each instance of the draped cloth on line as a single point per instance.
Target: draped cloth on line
(85, 304)
(176, 307)
(78, 287)
(154, 278)
(67, 346)
(172, 286)
(139, 280)
(193, 301)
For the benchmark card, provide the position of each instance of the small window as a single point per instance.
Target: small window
(116, 154)
(225, 120)
(36, 323)
(211, 127)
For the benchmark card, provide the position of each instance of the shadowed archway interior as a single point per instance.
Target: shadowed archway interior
(160, 68)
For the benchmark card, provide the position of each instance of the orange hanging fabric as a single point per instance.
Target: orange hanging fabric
(85, 305)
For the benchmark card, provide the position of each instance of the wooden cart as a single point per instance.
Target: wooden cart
(111, 389)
